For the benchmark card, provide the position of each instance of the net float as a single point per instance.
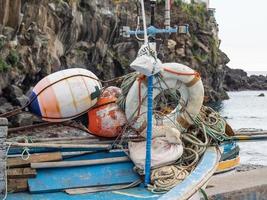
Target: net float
(65, 94)
(106, 119)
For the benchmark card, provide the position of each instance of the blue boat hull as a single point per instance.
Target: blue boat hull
(184, 190)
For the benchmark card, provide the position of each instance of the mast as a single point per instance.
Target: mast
(148, 64)
(150, 104)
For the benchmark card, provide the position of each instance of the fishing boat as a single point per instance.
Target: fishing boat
(110, 181)
(102, 169)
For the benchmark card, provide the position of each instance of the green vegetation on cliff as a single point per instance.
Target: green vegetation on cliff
(3, 65)
(13, 58)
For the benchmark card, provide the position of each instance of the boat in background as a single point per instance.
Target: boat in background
(230, 158)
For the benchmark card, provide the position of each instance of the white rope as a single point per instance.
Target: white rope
(25, 155)
(137, 29)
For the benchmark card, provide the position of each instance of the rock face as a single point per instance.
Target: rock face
(237, 79)
(58, 34)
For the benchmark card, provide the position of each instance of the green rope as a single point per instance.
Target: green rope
(126, 85)
(205, 196)
(213, 123)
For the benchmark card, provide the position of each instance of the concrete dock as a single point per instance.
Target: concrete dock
(249, 185)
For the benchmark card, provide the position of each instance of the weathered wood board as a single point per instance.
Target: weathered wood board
(16, 173)
(42, 157)
(137, 193)
(97, 155)
(17, 185)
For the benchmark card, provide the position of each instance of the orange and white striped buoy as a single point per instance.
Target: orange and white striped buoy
(65, 94)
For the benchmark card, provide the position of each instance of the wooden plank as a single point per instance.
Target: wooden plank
(89, 141)
(32, 150)
(46, 145)
(52, 139)
(58, 179)
(21, 173)
(97, 155)
(136, 193)
(102, 188)
(64, 154)
(42, 157)
(251, 133)
(78, 163)
(17, 185)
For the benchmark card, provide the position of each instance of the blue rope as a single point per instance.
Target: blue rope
(149, 129)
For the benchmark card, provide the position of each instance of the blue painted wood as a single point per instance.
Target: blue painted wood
(128, 194)
(207, 164)
(227, 147)
(18, 150)
(231, 151)
(105, 173)
(50, 180)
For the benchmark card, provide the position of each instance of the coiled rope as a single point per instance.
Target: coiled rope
(165, 178)
(213, 124)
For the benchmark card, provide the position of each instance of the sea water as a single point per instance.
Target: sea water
(246, 110)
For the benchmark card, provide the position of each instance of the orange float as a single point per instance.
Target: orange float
(106, 119)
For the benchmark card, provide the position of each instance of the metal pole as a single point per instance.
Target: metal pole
(167, 14)
(152, 4)
(149, 128)
(144, 21)
(149, 109)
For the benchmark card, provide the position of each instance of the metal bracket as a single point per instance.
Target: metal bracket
(153, 31)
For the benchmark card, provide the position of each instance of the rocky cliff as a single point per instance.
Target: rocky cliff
(41, 37)
(237, 79)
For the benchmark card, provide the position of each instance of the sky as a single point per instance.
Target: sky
(243, 31)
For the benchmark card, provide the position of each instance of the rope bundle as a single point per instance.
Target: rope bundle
(126, 85)
(212, 123)
(165, 178)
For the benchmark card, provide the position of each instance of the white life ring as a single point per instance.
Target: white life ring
(176, 76)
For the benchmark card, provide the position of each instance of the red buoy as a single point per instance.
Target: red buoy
(107, 119)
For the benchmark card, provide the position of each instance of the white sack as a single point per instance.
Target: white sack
(162, 152)
(145, 62)
(171, 134)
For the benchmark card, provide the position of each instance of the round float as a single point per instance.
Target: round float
(65, 94)
(106, 119)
